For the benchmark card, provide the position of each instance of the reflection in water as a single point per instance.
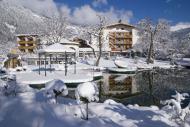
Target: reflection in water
(145, 88)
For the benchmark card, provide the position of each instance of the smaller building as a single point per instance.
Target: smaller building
(27, 43)
(13, 61)
(86, 49)
(64, 44)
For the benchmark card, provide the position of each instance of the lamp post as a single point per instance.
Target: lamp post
(75, 71)
(65, 63)
(39, 64)
(45, 64)
(50, 62)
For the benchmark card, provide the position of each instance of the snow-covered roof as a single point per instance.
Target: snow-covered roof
(56, 48)
(65, 41)
(28, 34)
(85, 49)
(116, 24)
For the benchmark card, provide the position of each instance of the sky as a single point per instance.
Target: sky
(174, 10)
(130, 11)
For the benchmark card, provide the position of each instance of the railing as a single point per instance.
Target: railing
(26, 42)
(120, 35)
(26, 47)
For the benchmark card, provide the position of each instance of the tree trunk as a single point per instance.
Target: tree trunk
(151, 51)
(92, 47)
(87, 111)
(93, 51)
(100, 49)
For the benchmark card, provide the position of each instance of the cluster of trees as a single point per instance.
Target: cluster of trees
(156, 40)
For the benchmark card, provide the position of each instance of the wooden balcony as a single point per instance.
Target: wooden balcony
(120, 35)
(27, 42)
(26, 47)
(123, 36)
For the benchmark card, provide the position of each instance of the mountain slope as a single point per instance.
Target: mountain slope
(15, 19)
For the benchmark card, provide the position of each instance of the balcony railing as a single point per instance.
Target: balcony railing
(26, 47)
(26, 42)
(120, 35)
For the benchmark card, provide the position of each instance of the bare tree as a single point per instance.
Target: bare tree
(152, 35)
(55, 28)
(86, 33)
(97, 32)
(100, 28)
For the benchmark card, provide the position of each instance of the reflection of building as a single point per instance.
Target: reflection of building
(117, 84)
(122, 86)
(27, 42)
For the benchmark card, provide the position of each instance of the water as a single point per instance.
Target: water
(145, 88)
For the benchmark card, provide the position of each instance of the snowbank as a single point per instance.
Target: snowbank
(16, 111)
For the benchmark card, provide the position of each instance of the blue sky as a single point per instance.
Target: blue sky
(173, 10)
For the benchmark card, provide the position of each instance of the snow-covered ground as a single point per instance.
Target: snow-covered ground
(141, 63)
(84, 72)
(131, 63)
(31, 109)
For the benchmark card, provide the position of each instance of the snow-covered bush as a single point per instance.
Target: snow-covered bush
(87, 92)
(8, 85)
(174, 108)
(56, 88)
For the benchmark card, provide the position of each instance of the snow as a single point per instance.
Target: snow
(87, 90)
(131, 64)
(122, 70)
(11, 27)
(35, 78)
(54, 89)
(56, 48)
(174, 109)
(57, 85)
(31, 109)
(110, 102)
(141, 63)
(65, 41)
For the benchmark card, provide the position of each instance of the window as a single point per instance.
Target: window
(30, 50)
(42, 62)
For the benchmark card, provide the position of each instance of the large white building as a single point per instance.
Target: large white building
(117, 38)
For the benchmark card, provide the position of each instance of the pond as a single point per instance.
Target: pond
(145, 88)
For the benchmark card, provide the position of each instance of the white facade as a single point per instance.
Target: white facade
(106, 42)
(135, 36)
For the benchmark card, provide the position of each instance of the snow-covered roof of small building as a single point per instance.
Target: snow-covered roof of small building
(85, 49)
(56, 48)
(65, 41)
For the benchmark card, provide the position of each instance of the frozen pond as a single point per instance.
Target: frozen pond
(145, 88)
